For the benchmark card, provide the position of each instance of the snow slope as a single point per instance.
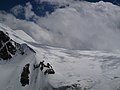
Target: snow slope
(12, 69)
(74, 69)
(89, 27)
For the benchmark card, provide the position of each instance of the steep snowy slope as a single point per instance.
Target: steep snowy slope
(74, 69)
(12, 69)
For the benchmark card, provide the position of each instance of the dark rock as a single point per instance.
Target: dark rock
(49, 71)
(25, 75)
(4, 54)
(8, 47)
(116, 77)
(71, 87)
(3, 37)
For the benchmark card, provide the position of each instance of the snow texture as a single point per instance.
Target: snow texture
(90, 32)
(74, 69)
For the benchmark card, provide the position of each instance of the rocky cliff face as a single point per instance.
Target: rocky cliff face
(8, 47)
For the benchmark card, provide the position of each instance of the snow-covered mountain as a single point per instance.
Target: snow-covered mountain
(78, 38)
(74, 69)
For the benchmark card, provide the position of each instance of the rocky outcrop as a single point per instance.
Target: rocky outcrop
(8, 47)
(71, 87)
(25, 75)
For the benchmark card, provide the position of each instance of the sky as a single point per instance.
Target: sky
(7, 4)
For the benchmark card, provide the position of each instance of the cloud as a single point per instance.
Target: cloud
(17, 10)
(85, 26)
(24, 12)
(28, 11)
(82, 25)
(33, 30)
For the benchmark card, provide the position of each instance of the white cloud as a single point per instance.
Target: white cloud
(25, 11)
(85, 26)
(82, 25)
(28, 11)
(32, 29)
(17, 10)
